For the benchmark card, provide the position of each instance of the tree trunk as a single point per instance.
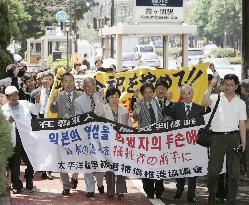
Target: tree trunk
(245, 39)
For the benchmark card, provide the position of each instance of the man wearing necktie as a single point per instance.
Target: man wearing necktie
(84, 104)
(148, 112)
(63, 105)
(163, 97)
(180, 111)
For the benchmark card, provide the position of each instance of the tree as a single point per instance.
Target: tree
(214, 18)
(19, 19)
(5, 56)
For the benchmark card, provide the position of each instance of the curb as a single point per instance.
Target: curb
(4, 200)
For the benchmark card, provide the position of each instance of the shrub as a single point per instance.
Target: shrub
(234, 60)
(174, 52)
(5, 150)
(6, 58)
(222, 53)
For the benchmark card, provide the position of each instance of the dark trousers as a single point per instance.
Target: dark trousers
(152, 186)
(222, 186)
(15, 162)
(180, 183)
(221, 145)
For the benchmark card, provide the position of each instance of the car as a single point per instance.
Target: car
(222, 66)
(194, 56)
(140, 49)
(130, 60)
(150, 59)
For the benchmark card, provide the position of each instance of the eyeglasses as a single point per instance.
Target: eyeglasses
(229, 85)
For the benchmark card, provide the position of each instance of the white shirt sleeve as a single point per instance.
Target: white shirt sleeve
(243, 115)
(214, 98)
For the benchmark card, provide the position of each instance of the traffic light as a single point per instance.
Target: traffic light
(95, 25)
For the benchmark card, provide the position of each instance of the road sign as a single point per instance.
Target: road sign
(159, 11)
(61, 16)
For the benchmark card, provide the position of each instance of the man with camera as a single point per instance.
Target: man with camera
(228, 137)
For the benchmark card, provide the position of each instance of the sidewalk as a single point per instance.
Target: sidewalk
(48, 192)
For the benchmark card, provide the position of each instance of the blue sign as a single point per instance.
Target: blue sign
(164, 3)
(61, 16)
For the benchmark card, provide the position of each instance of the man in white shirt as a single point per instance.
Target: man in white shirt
(84, 104)
(229, 132)
(15, 110)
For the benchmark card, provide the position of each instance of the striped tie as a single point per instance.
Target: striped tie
(187, 112)
(92, 104)
(69, 99)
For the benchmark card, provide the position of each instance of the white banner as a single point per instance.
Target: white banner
(88, 143)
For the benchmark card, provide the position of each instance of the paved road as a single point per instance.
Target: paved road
(49, 193)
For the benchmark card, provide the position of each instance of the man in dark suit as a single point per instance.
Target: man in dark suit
(186, 110)
(64, 106)
(148, 112)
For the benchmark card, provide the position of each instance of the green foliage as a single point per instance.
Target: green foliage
(222, 53)
(59, 63)
(234, 60)
(5, 26)
(88, 33)
(215, 17)
(19, 19)
(6, 58)
(174, 52)
(5, 150)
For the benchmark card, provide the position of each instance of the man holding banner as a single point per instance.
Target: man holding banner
(84, 104)
(180, 111)
(148, 112)
(63, 105)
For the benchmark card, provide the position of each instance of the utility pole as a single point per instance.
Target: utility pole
(245, 39)
(112, 24)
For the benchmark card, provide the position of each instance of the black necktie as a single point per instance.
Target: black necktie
(152, 114)
(69, 99)
(92, 104)
(161, 103)
(187, 112)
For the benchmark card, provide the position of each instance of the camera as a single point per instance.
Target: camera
(238, 149)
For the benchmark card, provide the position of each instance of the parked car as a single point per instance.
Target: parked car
(150, 59)
(222, 66)
(140, 49)
(194, 56)
(130, 60)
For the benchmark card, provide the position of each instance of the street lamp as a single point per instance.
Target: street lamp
(67, 29)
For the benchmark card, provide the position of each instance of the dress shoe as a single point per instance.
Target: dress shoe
(150, 196)
(29, 185)
(46, 175)
(178, 195)
(220, 200)
(65, 192)
(110, 196)
(211, 200)
(17, 191)
(120, 196)
(101, 189)
(74, 183)
(191, 200)
(90, 194)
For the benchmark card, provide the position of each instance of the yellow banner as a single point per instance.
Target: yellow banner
(129, 81)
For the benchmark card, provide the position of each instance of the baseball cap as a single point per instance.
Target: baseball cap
(10, 89)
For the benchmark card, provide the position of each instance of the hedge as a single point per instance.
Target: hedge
(6, 58)
(5, 151)
(222, 53)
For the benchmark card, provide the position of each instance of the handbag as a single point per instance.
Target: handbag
(204, 134)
